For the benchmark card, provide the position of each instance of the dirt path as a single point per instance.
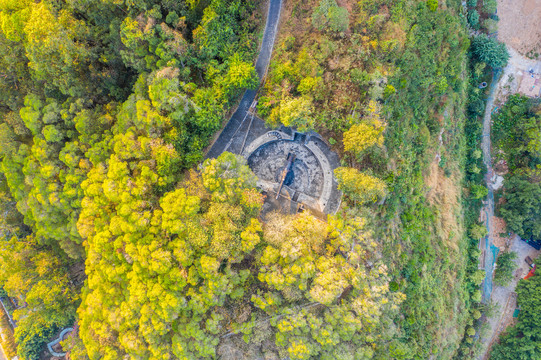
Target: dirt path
(504, 297)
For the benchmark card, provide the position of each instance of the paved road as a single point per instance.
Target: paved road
(261, 66)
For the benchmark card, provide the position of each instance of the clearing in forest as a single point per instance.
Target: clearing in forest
(519, 25)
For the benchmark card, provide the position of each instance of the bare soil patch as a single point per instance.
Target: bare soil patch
(520, 25)
(499, 233)
(445, 195)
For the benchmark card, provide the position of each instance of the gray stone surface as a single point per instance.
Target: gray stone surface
(268, 161)
(311, 183)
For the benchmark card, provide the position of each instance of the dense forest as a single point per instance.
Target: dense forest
(517, 136)
(114, 223)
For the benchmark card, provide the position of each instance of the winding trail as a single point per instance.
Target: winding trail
(487, 243)
(261, 66)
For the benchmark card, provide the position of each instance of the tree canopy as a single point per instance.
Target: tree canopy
(489, 50)
(523, 340)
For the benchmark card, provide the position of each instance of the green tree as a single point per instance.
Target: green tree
(523, 341)
(297, 112)
(490, 51)
(35, 275)
(477, 231)
(505, 266)
(473, 19)
(308, 260)
(175, 246)
(432, 5)
(338, 19)
(478, 191)
(522, 210)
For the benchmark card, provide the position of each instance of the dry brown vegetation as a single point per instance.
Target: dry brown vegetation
(444, 194)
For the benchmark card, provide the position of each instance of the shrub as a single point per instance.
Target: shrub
(338, 19)
(329, 15)
(478, 231)
(478, 191)
(432, 5)
(477, 296)
(360, 77)
(490, 25)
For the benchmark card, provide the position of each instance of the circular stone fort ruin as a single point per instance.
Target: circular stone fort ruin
(295, 171)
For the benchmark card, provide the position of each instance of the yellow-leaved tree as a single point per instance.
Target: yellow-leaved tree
(323, 290)
(367, 133)
(359, 186)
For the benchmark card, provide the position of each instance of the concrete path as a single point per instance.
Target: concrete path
(502, 297)
(487, 246)
(261, 66)
(516, 64)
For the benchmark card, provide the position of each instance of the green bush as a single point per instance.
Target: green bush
(472, 3)
(490, 25)
(490, 6)
(338, 19)
(329, 15)
(477, 231)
